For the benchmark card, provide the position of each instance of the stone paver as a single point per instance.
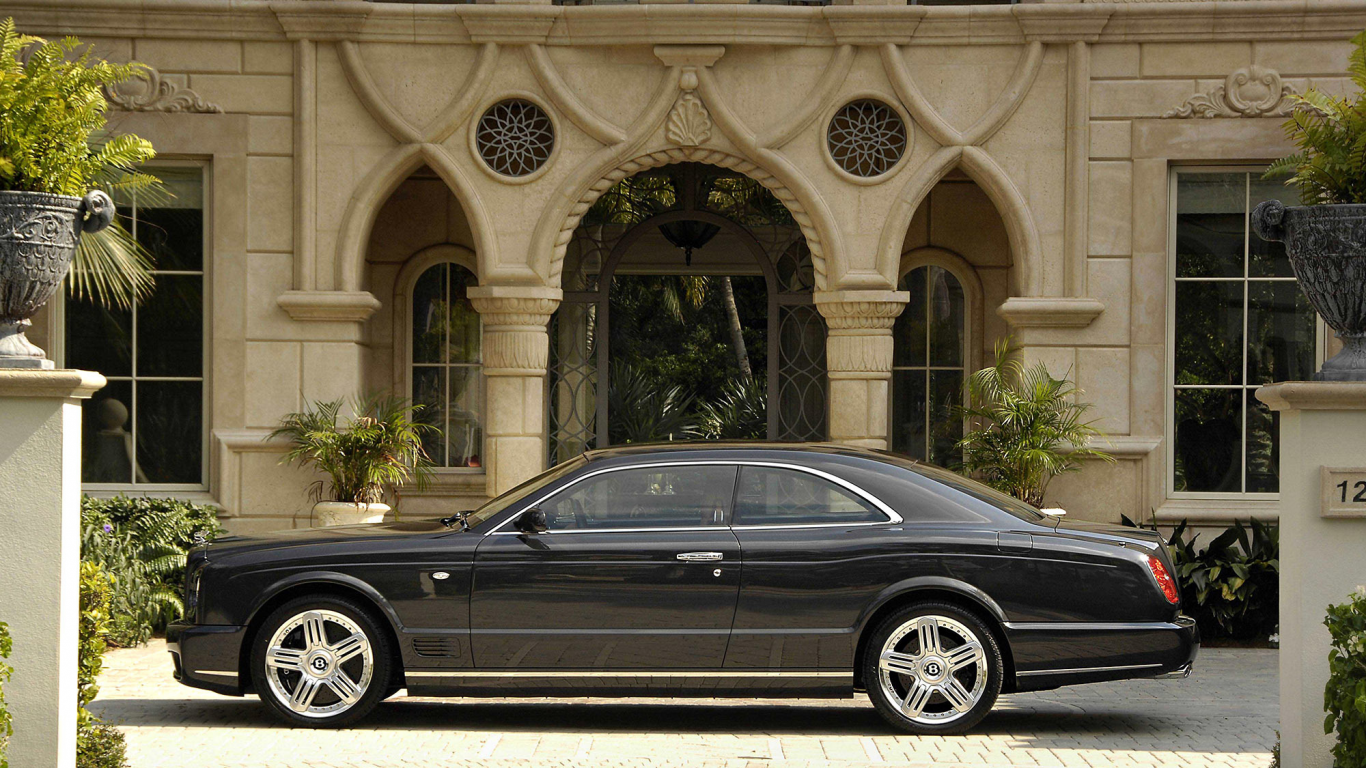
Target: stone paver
(1224, 716)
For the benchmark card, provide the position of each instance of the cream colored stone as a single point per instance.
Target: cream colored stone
(1110, 209)
(1104, 378)
(331, 370)
(1138, 98)
(270, 135)
(267, 58)
(273, 381)
(1148, 371)
(270, 211)
(253, 94)
(1201, 59)
(202, 56)
(1110, 139)
(1327, 57)
(1114, 60)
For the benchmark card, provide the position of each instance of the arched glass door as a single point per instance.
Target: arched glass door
(929, 364)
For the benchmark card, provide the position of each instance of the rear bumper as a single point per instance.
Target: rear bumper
(1048, 655)
(208, 656)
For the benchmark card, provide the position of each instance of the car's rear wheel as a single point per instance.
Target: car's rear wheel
(932, 668)
(321, 661)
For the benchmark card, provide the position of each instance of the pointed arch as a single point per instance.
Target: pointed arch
(374, 190)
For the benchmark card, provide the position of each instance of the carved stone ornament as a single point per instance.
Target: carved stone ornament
(1247, 92)
(1327, 249)
(689, 123)
(146, 91)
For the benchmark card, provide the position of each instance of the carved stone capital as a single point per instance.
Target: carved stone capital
(861, 310)
(514, 320)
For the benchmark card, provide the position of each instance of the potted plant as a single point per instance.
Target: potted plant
(1325, 237)
(56, 169)
(379, 448)
(1029, 428)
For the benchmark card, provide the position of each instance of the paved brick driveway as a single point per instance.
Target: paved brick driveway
(1224, 715)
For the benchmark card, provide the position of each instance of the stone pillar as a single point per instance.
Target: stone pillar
(1323, 537)
(40, 553)
(858, 357)
(515, 352)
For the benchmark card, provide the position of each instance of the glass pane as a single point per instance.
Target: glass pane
(171, 328)
(1280, 325)
(464, 428)
(429, 391)
(908, 413)
(429, 298)
(946, 318)
(463, 320)
(946, 392)
(169, 436)
(1209, 332)
(1263, 446)
(106, 439)
(1209, 444)
(1268, 259)
(674, 497)
(909, 332)
(786, 497)
(1210, 217)
(99, 339)
(173, 229)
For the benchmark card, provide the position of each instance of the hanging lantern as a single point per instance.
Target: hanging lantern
(688, 234)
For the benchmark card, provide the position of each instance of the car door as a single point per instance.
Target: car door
(638, 570)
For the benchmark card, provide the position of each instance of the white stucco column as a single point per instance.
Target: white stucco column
(858, 357)
(40, 553)
(515, 352)
(1323, 538)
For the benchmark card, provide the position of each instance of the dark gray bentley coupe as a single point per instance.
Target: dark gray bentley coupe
(692, 570)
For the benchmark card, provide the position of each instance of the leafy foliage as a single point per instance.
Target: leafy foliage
(6, 722)
(1232, 585)
(100, 745)
(379, 448)
(1029, 428)
(645, 409)
(52, 140)
(1331, 135)
(97, 745)
(1344, 698)
(141, 543)
(740, 413)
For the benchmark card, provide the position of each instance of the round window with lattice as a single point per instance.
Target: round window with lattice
(866, 138)
(515, 137)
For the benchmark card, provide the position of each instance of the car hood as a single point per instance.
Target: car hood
(1118, 534)
(308, 537)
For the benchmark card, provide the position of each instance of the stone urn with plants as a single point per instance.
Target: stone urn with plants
(376, 450)
(57, 170)
(1325, 236)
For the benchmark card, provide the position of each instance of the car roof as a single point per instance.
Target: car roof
(732, 448)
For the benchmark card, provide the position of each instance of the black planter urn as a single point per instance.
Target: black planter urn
(1327, 249)
(38, 237)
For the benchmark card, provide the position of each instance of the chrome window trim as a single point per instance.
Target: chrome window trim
(892, 517)
(626, 673)
(1086, 670)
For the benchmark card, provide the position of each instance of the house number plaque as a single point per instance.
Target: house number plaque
(1344, 492)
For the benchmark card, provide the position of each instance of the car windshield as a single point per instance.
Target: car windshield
(494, 506)
(1001, 501)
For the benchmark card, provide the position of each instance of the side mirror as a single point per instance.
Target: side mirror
(531, 521)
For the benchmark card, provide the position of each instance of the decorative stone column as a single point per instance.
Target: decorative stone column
(1323, 536)
(515, 350)
(858, 357)
(40, 554)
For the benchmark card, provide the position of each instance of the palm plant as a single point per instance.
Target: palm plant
(1029, 427)
(642, 410)
(1330, 132)
(380, 447)
(740, 413)
(52, 140)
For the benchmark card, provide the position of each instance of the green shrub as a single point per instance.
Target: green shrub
(6, 724)
(100, 745)
(142, 543)
(1344, 698)
(97, 745)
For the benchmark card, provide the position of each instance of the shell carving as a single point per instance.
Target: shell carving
(689, 124)
(1247, 92)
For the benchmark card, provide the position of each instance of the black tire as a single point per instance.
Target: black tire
(937, 713)
(340, 618)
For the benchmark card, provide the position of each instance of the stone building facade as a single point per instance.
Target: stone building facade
(1071, 174)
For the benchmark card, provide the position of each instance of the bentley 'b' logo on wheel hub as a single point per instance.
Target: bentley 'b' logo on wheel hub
(932, 669)
(319, 663)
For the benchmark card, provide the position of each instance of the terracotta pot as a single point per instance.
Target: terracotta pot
(38, 236)
(326, 513)
(1327, 249)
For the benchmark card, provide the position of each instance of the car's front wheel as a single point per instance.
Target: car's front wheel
(321, 661)
(932, 668)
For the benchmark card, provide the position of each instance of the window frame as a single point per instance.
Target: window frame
(892, 517)
(1170, 387)
(412, 270)
(194, 491)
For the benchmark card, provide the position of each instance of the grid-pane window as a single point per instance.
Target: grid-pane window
(928, 366)
(446, 374)
(1239, 321)
(147, 425)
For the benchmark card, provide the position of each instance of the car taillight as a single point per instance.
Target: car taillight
(1164, 580)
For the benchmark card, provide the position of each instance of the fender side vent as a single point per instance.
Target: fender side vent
(435, 645)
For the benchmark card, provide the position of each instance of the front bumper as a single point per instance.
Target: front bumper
(208, 657)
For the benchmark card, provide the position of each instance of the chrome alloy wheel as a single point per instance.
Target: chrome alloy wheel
(319, 663)
(935, 667)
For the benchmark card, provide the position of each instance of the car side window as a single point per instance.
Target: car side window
(773, 496)
(647, 497)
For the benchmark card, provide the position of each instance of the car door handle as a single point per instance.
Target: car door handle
(700, 557)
